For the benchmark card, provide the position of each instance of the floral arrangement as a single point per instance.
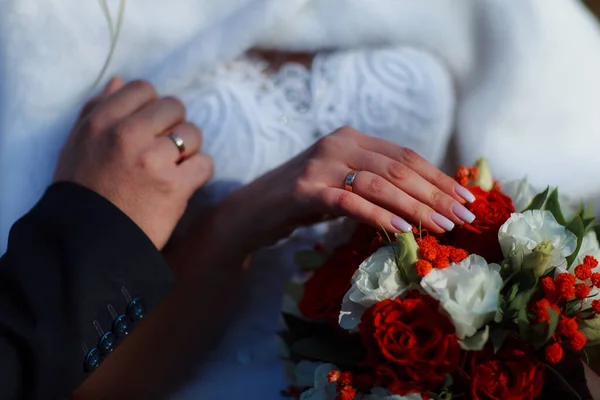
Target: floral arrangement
(486, 311)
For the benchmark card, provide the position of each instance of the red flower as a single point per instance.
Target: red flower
(411, 347)
(583, 272)
(554, 353)
(325, 290)
(491, 210)
(513, 373)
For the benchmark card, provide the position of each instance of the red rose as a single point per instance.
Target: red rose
(411, 347)
(491, 210)
(325, 290)
(513, 373)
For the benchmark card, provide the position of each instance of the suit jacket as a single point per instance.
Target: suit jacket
(77, 277)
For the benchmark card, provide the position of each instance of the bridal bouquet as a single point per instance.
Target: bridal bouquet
(482, 312)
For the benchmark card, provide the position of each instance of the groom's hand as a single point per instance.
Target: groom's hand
(120, 149)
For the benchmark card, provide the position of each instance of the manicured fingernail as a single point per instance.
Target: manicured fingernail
(462, 213)
(464, 193)
(442, 221)
(401, 224)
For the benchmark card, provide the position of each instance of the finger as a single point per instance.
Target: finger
(112, 86)
(158, 116)
(344, 203)
(413, 184)
(419, 165)
(192, 142)
(122, 103)
(379, 191)
(196, 171)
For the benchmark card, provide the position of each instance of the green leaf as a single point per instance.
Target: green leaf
(310, 259)
(512, 293)
(588, 211)
(333, 351)
(295, 290)
(588, 224)
(538, 201)
(498, 337)
(577, 228)
(553, 205)
(552, 326)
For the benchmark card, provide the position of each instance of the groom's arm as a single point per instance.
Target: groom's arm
(70, 266)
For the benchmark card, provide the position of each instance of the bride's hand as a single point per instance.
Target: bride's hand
(394, 187)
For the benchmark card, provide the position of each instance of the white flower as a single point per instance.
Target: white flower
(589, 247)
(468, 291)
(323, 389)
(520, 192)
(375, 280)
(382, 394)
(522, 233)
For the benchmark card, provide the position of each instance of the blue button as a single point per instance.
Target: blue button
(92, 360)
(107, 342)
(136, 309)
(121, 326)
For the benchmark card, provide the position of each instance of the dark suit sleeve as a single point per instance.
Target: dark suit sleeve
(73, 266)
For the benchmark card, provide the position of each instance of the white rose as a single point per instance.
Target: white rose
(382, 394)
(523, 233)
(375, 280)
(469, 292)
(520, 192)
(323, 389)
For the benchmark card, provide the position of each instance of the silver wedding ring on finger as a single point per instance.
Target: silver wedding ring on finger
(178, 142)
(349, 180)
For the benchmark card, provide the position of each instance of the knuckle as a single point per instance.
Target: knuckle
(416, 211)
(123, 131)
(143, 86)
(311, 169)
(327, 144)
(439, 200)
(398, 171)
(410, 156)
(343, 201)
(377, 185)
(95, 123)
(301, 190)
(345, 131)
(175, 103)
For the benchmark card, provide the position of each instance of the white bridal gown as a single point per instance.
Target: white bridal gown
(516, 81)
(252, 123)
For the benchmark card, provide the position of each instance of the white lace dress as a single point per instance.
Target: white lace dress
(253, 122)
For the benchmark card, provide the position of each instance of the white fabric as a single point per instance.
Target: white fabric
(253, 122)
(525, 87)
(525, 71)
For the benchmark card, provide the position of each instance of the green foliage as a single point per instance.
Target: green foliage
(310, 259)
(538, 201)
(553, 205)
(295, 290)
(578, 229)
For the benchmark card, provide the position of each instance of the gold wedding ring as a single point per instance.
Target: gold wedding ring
(349, 180)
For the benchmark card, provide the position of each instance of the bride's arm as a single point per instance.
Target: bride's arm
(394, 184)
